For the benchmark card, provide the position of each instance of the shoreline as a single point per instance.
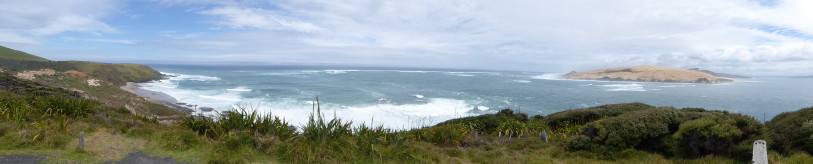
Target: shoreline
(156, 97)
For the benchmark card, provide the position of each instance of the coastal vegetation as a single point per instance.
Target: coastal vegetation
(45, 113)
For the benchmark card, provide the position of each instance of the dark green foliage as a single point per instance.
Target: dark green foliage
(723, 135)
(584, 116)
(63, 106)
(489, 123)
(629, 130)
(17, 86)
(180, 140)
(790, 132)
(685, 133)
(22, 100)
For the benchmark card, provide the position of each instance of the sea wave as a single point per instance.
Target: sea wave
(177, 76)
(339, 71)
(522, 81)
(296, 110)
(548, 76)
(240, 89)
(406, 116)
(625, 87)
(463, 74)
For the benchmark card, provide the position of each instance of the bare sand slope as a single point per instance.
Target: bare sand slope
(648, 74)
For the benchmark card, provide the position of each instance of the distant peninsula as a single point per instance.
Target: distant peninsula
(649, 74)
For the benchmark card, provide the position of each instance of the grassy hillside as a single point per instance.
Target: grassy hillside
(118, 74)
(8, 53)
(111, 75)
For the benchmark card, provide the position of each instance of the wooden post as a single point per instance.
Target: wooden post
(760, 155)
(81, 140)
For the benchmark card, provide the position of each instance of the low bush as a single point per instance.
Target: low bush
(584, 116)
(444, 134)
(488, 123)
(630, 130)
(683, 133)
(790, 133)
(730, 135)
(180, 140)
(513, 128)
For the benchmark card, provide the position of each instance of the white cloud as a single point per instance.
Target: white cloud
(246, 17)
(559, 35)
(28, 20)
(14, 38)
(737, 36)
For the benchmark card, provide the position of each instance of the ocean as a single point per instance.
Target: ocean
(403, 98)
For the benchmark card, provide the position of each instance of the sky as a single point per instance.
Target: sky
(749, 37)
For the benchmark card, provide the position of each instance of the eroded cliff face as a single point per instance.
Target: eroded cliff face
(647, 74)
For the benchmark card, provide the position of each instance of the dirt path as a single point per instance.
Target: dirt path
(22, 159)
(139, 158)
(132, 158)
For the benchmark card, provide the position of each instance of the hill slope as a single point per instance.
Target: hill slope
(8, 53)
(720, 74)
(647, 74)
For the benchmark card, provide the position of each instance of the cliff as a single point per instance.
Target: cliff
(648, 74)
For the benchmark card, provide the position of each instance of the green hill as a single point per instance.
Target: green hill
(8, 53)
(118, 74)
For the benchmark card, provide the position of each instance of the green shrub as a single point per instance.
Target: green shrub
(730, 135)
(71, 107)
(685, 133)
(488, 123)
(444, 135)
(584, 116)
(180, 140)
(512, 128)
(789, 132)
(239, 140)
(631, 129)
(239, 120)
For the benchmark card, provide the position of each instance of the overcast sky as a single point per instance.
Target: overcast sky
(751, 37)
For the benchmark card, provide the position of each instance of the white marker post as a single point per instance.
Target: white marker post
(760, 153)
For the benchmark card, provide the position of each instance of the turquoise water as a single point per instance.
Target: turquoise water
(405, 98)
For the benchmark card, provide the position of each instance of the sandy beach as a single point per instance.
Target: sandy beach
(158, 97)
(133, 88)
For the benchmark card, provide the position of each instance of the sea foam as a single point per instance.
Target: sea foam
(624, 87)
(548, 76)
(405, 116)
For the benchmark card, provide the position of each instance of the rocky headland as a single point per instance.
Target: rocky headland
(648, 74)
